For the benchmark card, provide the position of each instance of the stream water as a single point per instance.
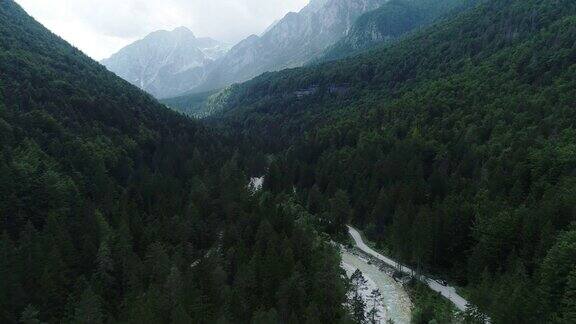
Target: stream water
(395, 303)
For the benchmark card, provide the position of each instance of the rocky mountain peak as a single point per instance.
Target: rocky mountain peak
(183, 30)
(166, 63)
(296, 39)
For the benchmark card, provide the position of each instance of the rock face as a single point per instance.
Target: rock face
(166, 63)
(391, 21)
(293, 41)
(383, 24)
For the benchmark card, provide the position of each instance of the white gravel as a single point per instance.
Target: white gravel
(394, 304)
(256, 183)
(446, 291)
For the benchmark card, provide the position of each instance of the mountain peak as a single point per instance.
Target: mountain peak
(314, 6)
(166, 62)
(182, 30)
(293, 41)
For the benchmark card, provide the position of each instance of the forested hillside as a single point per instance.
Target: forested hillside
(115, 209)
(391, 21)
(197, 105)
(454, 148)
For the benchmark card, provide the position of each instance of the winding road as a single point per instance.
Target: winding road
(447, 291)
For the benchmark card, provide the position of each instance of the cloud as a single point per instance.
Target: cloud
(101, 27)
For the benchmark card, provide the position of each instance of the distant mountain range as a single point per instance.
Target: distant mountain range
(166, 63)
(170, 64)
(382, 26)
(291, 42)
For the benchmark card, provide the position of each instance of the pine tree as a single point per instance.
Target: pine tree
(558, 264)
(358, 308)
(11, 293)
(311, 316)
(104, 268)
(422, 239)
(174, 285)
(276, 180)
(268, 317)
(180, 316)
(54, 283)
(375, 296)
(569, 300)
(89, 308)
(340, 211)
(358, 280)
(315, 200)
(357, 303)
(158, 263)
(30, 315)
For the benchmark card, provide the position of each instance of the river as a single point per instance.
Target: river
(395, 303)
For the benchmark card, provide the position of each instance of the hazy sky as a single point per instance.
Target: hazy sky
(101, 27)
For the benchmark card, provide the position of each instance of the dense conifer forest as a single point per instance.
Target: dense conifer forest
(115, 209)
(454, 149)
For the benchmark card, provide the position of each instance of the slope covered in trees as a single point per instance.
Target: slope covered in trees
(391, 21)
(116, 209)
(454, 149)
(198, 105)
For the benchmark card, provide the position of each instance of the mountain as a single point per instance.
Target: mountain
(455, 148)
(382, 26)
(392, 20)
(114, 209)
(166, 63)
(291, 42)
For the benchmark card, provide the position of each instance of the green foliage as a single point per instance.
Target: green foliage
(116, 209)
(393, 20)
(30, 315)
(455, 147)
(557, 274)
(195, 105)
(569, 299)
(429, 307)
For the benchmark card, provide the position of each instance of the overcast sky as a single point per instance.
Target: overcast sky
(102, 27)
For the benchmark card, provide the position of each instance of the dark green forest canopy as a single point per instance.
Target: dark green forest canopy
(455, 148)
(115, 209)
(196, 105)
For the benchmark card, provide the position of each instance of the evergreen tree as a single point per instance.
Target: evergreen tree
(89, 308)
(568, 314)
(180, 316)
(358, 308)
(265, 317)
(104, 269)
(357, 304)
(30, 315)
(375, 296)
(556, 269)
(340, 211)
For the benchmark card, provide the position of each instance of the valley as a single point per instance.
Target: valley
(186, 180)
